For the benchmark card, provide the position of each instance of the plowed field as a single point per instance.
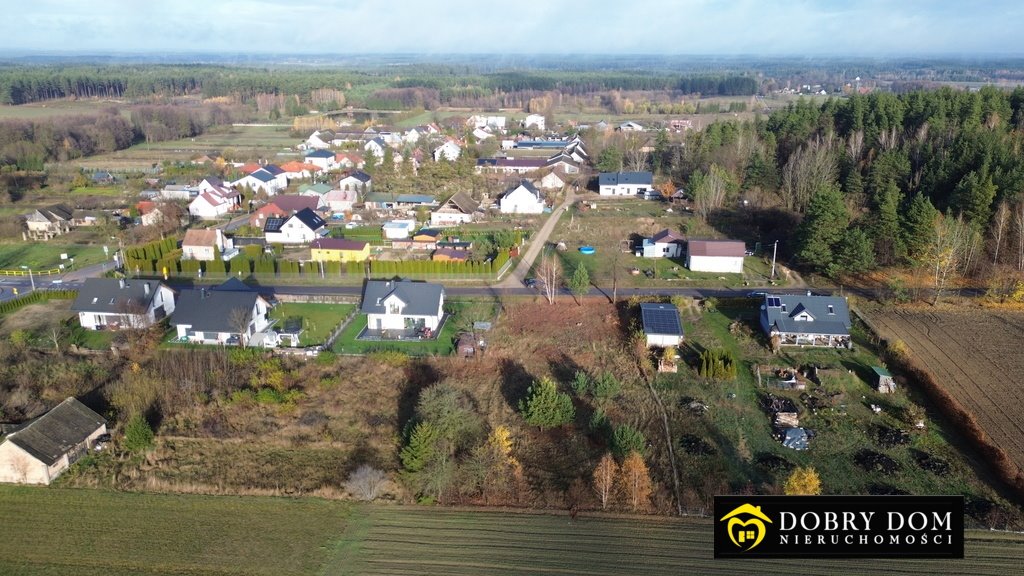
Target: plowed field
(977, 357)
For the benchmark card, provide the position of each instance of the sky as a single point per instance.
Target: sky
(711, 27)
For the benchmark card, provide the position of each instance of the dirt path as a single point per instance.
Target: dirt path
(515, 279)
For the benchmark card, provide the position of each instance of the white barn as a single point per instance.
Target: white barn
(725, 256)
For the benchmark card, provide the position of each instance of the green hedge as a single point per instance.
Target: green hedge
(36, 296)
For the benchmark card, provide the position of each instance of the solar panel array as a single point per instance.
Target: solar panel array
(774, 302)
(661, 319)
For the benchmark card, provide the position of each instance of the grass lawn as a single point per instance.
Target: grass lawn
(99, 191)
(318, 320)
(462, 314)
(95, 339)
(46, 255)
(94, 532)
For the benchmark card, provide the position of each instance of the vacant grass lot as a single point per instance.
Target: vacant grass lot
(93, 532)
(318, 320)
(46, 255)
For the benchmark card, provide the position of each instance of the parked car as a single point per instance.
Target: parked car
(756, 294)
(530, 282)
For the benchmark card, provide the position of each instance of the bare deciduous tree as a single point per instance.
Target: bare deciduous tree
(605, 479)
(1000, 223)
(549, 276)
(634, 152)
(239, 319)
(1018, 224)
(810, 168)
(949, 251)
(366, 482)
(709, 190)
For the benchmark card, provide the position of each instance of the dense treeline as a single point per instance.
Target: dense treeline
(21, 85)
(930, 180)
(28, 145)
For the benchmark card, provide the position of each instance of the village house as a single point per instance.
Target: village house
(230, 314)
(178, 192)
(664, 244)
(563, 163)
(296, 170)
(119, 303)
(524, 198)
(630, 126)
(380, 201)
(269, 179)
(715, 256)
(317, 189)
(398, 229)
(624, 183)
(458, 209)
(213, 199)
(480, 121)
(45, 223)
(322, 159)
(661, 324)
(480, 134)
(551, 181)
(806, 320)
(376, 147)
(283, 206)
(154, 213)
(318, 140)
(349, 160)
(403, 305)
(204, 244)
(301, 227)
(450, 255)
(339, 201)
(357, 181)
(535, 121)
(338, 250)
(449, 151)
(39, 451)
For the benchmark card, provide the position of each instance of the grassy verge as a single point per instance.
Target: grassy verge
(46, 255)
(318, 320)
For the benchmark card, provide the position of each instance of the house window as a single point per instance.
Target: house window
(394, 309)
(831, 309)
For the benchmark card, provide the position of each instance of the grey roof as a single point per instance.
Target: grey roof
(320, 154)
(311, 219)
(107, 295)
(780, 312)
(661, 319)
(667, 236)
(234, 285)
(616, 178)
(421, 298)
(57, 432)
(359, 175)
(207, 310)
(463, 202)
(529, 188)
(262, 175)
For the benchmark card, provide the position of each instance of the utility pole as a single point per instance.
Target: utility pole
(775, 250)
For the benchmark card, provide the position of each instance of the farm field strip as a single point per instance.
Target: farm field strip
(401, 540)
(974, 361)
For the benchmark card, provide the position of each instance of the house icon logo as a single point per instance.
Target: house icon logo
(746, 526)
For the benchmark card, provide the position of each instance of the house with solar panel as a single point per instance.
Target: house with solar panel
(301, 227)
(662, 325)
(806, 320)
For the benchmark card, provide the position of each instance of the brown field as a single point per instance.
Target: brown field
(975, 356)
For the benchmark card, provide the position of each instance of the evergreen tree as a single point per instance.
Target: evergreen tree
(918, 226)
(857, 253)
(822, 229)
(973, 197)
(579, 283)
(888, 242)
(546, 407)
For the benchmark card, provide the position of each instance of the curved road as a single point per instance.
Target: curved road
(515, 279)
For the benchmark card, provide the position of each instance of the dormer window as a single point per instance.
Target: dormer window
(831, 309)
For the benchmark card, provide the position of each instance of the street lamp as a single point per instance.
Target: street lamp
(30, 278)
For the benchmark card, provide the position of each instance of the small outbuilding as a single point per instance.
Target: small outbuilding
(884, 382)
(41, 450)
(795, 438)
(662, 325)
(715, 256)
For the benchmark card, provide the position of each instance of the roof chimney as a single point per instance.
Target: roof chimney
(145, 288)
(808, 292)
(120, 283)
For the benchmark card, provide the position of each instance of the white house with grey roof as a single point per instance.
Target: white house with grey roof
(112, 303)
(39, 451)
(231, 314)
(402, 305)
(624, 183)
(524, 198)
(806, 320)
(301, 227)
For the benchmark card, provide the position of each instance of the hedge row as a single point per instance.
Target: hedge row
(34, 297)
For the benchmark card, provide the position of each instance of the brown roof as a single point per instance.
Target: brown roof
(666, 236)
(288, 203)
(200, 237)
(449, 254)
(337, 244)
(732, 248)
(464, 202)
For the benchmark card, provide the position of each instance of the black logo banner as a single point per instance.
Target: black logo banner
(839, 526)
